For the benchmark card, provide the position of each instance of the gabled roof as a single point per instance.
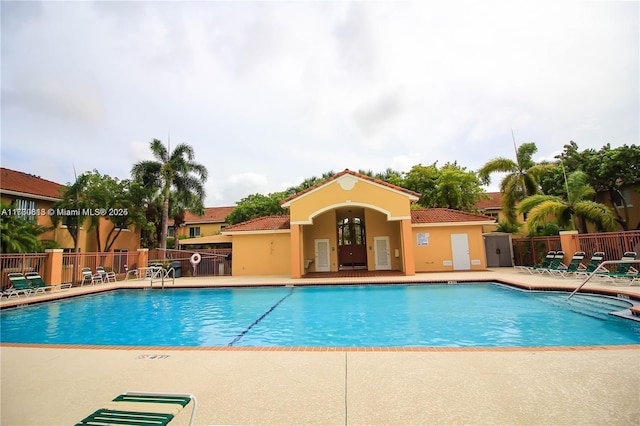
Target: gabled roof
(439, 215)
(267, 223)
(355, 174)
(24, 184)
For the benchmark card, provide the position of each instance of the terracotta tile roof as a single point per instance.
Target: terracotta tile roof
(211, 214)
(439, 215)
(275, 223)
(494, 202)
(267, 223)
(12, 180)
(356, 174)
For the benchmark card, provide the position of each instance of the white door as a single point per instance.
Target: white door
(323, 256)
(382, 253)
(460, 249)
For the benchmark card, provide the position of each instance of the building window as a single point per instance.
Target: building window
(27, 209)
(626, 195)
(493, 215)
(351, 232)
(171, 232)
(194, 231)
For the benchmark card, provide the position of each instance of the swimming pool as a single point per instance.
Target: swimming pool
(432, 315)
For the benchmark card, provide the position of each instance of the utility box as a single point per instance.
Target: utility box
(177, 267)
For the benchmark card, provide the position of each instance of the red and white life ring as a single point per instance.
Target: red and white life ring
(195, 258)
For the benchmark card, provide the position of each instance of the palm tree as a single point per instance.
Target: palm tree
(18, 235)
(175, 170)
(572, 213)
(179, 204)
(522, 179)
(73, 199)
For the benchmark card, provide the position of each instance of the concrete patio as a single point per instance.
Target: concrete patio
(590, 385)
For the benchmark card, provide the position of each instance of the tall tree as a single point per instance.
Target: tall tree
(73, 207)
(612, 171)
(177, 170)
(257, 205)
(308, 183)
(94, 197)
(572, 212)
(391, 176)
(522, 178)
(457, 188)
(18, 235)
(423, 180)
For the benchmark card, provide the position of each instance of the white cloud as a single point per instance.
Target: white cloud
(269, 93)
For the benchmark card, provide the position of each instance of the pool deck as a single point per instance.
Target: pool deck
(52, 385)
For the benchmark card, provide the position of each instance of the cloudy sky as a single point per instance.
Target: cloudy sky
(269, 93)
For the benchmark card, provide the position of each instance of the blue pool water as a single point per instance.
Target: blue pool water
(481, 315)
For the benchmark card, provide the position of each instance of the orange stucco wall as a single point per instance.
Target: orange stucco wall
(324, 227)
(378, 226)
(206, 229)
(438, 255)
(128, 239)
(261, 254)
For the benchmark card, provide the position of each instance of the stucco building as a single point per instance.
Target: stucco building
(353, 221)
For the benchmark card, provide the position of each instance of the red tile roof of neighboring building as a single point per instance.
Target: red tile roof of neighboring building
(356, 174)
(267, 223)
(494, 201)
(211, 214)
(439, 215)
(12, 180)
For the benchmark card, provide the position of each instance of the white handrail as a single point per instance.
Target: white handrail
(601, 266)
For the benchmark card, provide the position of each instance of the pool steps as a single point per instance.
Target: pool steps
(601, 307)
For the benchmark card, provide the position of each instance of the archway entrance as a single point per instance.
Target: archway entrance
(352, 244)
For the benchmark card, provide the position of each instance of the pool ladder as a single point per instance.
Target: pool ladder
(162, 275)
(602, 270)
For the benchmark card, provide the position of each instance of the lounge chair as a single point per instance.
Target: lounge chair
(141, 408)
(594, 263)
(107, 277)
(556, 263)
(545, 263)
(19, 285)
(86, 276)
(623, 271)
(37, 283)
(574, 266)
(89, 277)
